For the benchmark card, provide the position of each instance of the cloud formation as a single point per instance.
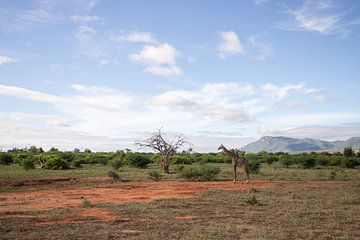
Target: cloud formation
(137, 37)
(229, 45)
(160, 59)
(6, 59)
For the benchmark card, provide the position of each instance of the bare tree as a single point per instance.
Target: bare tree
(166, 148)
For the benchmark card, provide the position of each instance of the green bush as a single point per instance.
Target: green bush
(28, 163)
(350, 162)
(270, 159)
(76, 164)
(113, 175)
(179, 168)
(137, 160)
(254, 167)
(251, 200)
(204, 173)
(55, 162)
(286, 161)
(208, 173)
(322, 160)
(179, 159)
(116, 163)
(155, 175)
(6, 158)
(189, 173)
(307, 162)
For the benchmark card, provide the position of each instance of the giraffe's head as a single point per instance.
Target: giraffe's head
(221, 147)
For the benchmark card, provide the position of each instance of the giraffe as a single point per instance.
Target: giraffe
(237, 161)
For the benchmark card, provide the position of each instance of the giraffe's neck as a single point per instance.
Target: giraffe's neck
(229, 153)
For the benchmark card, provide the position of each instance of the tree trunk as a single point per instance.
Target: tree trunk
(165, 164)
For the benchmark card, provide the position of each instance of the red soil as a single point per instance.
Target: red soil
(11, 203)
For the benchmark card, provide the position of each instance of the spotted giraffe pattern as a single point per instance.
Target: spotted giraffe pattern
(236, 160)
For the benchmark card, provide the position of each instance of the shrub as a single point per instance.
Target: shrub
(251, 200)
(55, 162)
(254, 167)
(86, 203)
(155, 175)
(350, 162)
(113, 175)
(204, 173)
(307, 162)
(323, 160)
(349, 152)
(137, 160)
(332, 175)
(76, 164)
(28, 163)
(286, 161)
(116, 163)
(6, 158)
(178, 159)
(208, 173)
(270, 159)
(179, 168)
(189, 173)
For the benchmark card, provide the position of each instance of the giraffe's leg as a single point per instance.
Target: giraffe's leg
(234, 173)
(247, 173)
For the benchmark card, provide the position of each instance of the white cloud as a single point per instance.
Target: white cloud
(323, 97)
(6, 59)
(265, 50)
(141, 37)
(326, 132)
(162, 54)
(322, 16)
(215, 101)
(279, 93)
(101, 114)
(230, 44)
(161, 60)
(85, 19)
(171, 70)
(260, 2)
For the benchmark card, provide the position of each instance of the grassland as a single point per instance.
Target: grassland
(318, 203)
(312, 210)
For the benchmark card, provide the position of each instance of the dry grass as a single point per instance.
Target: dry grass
(297, 210)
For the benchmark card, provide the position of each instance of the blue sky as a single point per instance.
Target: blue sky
(102, 74)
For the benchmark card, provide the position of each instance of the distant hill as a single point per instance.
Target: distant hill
(286, 144)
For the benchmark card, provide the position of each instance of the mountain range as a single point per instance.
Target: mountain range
(287, 144)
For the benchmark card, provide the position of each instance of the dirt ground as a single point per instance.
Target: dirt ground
(12, 205)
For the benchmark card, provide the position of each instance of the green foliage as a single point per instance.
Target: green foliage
(85, 203)
(155, 175)
(76, 164)
(349, 152)
(251, 200)
(181, 159)
(351, 162)
(28, 163)
(332, 175)
(286, 161)
(116, 163)
(254, 167)
(204, 173)
(322, 160)
(6, 158)
(179, 168)
(54, 162)
(307, 162)
(270, 159)
(113, 175)
(137, 160)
